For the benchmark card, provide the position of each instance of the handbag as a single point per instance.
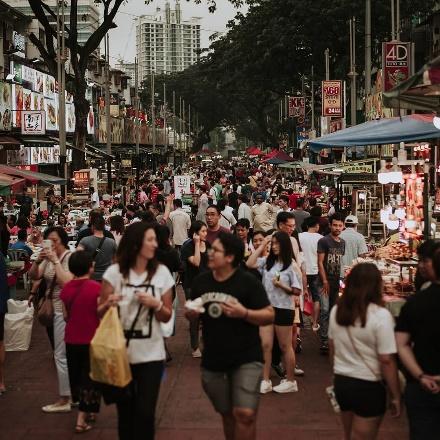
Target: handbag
(45, 310)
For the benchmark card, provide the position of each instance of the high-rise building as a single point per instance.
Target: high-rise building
(165, 43)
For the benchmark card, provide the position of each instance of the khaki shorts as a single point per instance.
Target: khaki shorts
(238, 388)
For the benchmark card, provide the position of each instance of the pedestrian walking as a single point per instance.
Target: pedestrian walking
(142, 288)
(355, 245)
(181, 222)
(362, 349)
(213, 214)
(236, 304)
(418, 343)
(80, 300)
(53, 265)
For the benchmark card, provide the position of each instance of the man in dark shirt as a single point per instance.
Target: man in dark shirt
(213, 214)
(236, 305)
(418, 344)
(331, 249)
(87, 232)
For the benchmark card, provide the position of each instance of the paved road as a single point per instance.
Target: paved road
(183, 411)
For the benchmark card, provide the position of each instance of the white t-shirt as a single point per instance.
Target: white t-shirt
(213, 195)
(150, 346)
(227, 220)
(309, 246)
(377, 337)
(95, 200)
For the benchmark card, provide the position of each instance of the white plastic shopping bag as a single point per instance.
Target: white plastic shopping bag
(18, 325)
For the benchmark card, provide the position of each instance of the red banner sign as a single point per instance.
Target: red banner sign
(332, 99)
(396, 63)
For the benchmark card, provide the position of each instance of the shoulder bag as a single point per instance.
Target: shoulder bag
(98, 249)
(45, 310)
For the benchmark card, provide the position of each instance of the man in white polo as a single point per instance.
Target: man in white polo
(355, 245)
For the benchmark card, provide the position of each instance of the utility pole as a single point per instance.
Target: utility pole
(183, 126)
(180, 123)
(397, 20)
(327, 63)
(153, 115)
(107, 110)
(367, 47)
(312, 103)
(137, 121)
(393, 23)
(165, 115)
(352, 74)
(174, 127)
(189, 126)
(61, 59)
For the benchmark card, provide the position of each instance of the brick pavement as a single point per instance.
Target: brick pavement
(183, 412)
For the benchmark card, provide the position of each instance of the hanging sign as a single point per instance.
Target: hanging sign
(395, 63)
(332, 99)
(182, 185)
(33, 122)
(297, 108)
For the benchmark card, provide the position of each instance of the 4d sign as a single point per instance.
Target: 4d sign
(396, 63)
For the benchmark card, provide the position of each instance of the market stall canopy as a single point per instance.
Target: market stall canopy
(254, 151)
(419, 92)
(270, 155)
(382, 131)
(9, 143)
(279, 158)
(11, 183)
(32, 176)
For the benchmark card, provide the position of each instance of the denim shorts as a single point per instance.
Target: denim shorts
(314, 287)
(237, 388)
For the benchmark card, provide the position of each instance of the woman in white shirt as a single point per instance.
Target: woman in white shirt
(363, 348)
(142, 288)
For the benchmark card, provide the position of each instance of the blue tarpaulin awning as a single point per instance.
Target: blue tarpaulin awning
(382, 131)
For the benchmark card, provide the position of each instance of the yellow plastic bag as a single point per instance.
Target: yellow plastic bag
(108, 352)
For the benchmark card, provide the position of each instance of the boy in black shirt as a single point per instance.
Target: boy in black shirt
(236, 304)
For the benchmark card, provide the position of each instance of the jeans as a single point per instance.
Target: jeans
(314, 287)
(59, 325)
(423, 409)
(84, 390)
(194, 326)
(327, 302)
(136, 415)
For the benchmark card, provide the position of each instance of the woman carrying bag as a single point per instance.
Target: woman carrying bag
(142, 289)
(53, 265)
(363, 348)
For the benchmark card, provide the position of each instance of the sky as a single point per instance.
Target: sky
(123, 38)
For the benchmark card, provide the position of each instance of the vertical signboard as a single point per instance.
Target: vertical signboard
(182, 185)
(395, 63)
(332, 99)
(297, 108)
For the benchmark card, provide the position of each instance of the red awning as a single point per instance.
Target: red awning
(254, 151)
(271, 154)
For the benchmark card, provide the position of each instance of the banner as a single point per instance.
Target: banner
(357, 168)
(297, 108)
(332, 99)
(395, 63)
(5, 106)
(182, 185)
(33, 122)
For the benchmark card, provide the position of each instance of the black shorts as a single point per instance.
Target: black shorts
(2, 326)
(362, 397)
(284, 317)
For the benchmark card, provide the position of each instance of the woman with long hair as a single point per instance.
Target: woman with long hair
(194, 254)
(53, 265)
(362, 348)
(281, 283)
(142, 288)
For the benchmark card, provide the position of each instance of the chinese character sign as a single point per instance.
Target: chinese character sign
(395, 63)
(332, 99)
(182, 185)
(297, 108)
(33, 122)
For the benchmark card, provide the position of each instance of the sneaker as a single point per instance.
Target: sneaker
(298, 371)
(196, 353)
(279, 370)
(265, 386)
(286, 386)
(323, 349)
(331, 395)
(57, 408)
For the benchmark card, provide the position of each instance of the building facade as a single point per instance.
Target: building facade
(165, 43)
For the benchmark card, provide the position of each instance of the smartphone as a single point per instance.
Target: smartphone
(47, 244)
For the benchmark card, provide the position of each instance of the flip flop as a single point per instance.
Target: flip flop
(91, 418)
(80, 429)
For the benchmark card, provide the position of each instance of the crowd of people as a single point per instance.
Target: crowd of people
(252, 254)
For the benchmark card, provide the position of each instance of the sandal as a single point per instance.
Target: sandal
(80, 429)
(91, 418)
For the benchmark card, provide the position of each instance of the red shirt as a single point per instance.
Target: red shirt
(292, 200)
(80, 298)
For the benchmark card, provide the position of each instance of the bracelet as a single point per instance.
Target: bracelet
(159, 307)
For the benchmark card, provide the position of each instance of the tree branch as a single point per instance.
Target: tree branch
(54, 15)
(37, 9)
(48, 57)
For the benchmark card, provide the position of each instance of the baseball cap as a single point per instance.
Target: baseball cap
(351, 220)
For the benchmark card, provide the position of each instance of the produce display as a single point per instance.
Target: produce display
(394, 251)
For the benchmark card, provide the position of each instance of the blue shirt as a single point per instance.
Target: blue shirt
(21, 245)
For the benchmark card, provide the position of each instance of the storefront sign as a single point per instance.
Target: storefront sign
(126, 163)
(5, 106)
(358, 168)
(297, 108)
(33, 168)
(395, 63)
(33, 122)
(332, 99)
(81, 178)
(336, 125)
(182, 185)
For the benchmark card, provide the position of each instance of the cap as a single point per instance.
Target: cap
(351, 220)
